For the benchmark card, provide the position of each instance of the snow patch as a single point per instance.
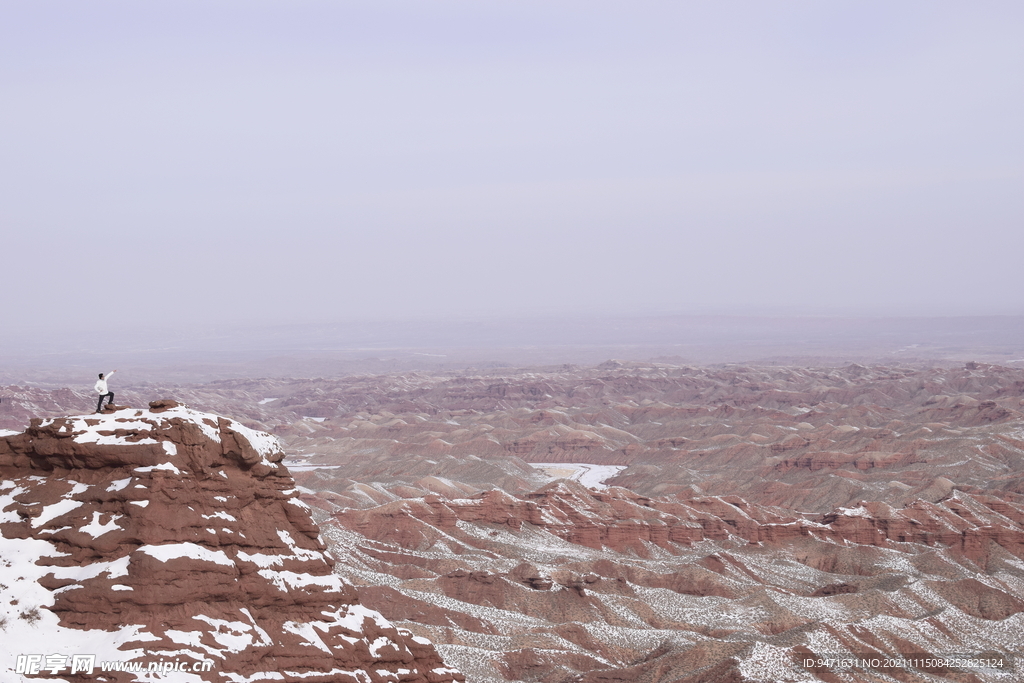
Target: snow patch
(284, 580)
(220, 515)
(261, 442)
(95, 529)
(173, 551)
(162, 466)
(119, 484)
(356, 614)
(590, 475)
(59, 508)
(308, 634)
(114, 569)
(235, 636)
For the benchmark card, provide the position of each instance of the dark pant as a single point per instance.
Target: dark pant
(99, 404)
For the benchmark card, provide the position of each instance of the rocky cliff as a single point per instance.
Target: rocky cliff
(174, 539)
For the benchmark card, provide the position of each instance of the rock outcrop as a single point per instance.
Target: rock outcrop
(169, 536)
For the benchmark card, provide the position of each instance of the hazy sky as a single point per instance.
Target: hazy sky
(312, 161)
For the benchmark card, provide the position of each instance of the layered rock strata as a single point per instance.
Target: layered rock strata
(623, 521)
(170, 535)
(810, 439)
(568, 584)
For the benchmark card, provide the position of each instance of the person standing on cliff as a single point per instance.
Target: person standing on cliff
(103, 391)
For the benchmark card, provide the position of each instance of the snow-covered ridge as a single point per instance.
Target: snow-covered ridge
(135, 427)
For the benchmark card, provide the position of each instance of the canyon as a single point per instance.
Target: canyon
(752, 519)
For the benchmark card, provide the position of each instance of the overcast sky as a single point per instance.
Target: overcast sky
(326, 161)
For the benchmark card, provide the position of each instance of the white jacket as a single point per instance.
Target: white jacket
(101, 384)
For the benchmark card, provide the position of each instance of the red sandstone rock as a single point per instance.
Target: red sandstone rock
(139, 535)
